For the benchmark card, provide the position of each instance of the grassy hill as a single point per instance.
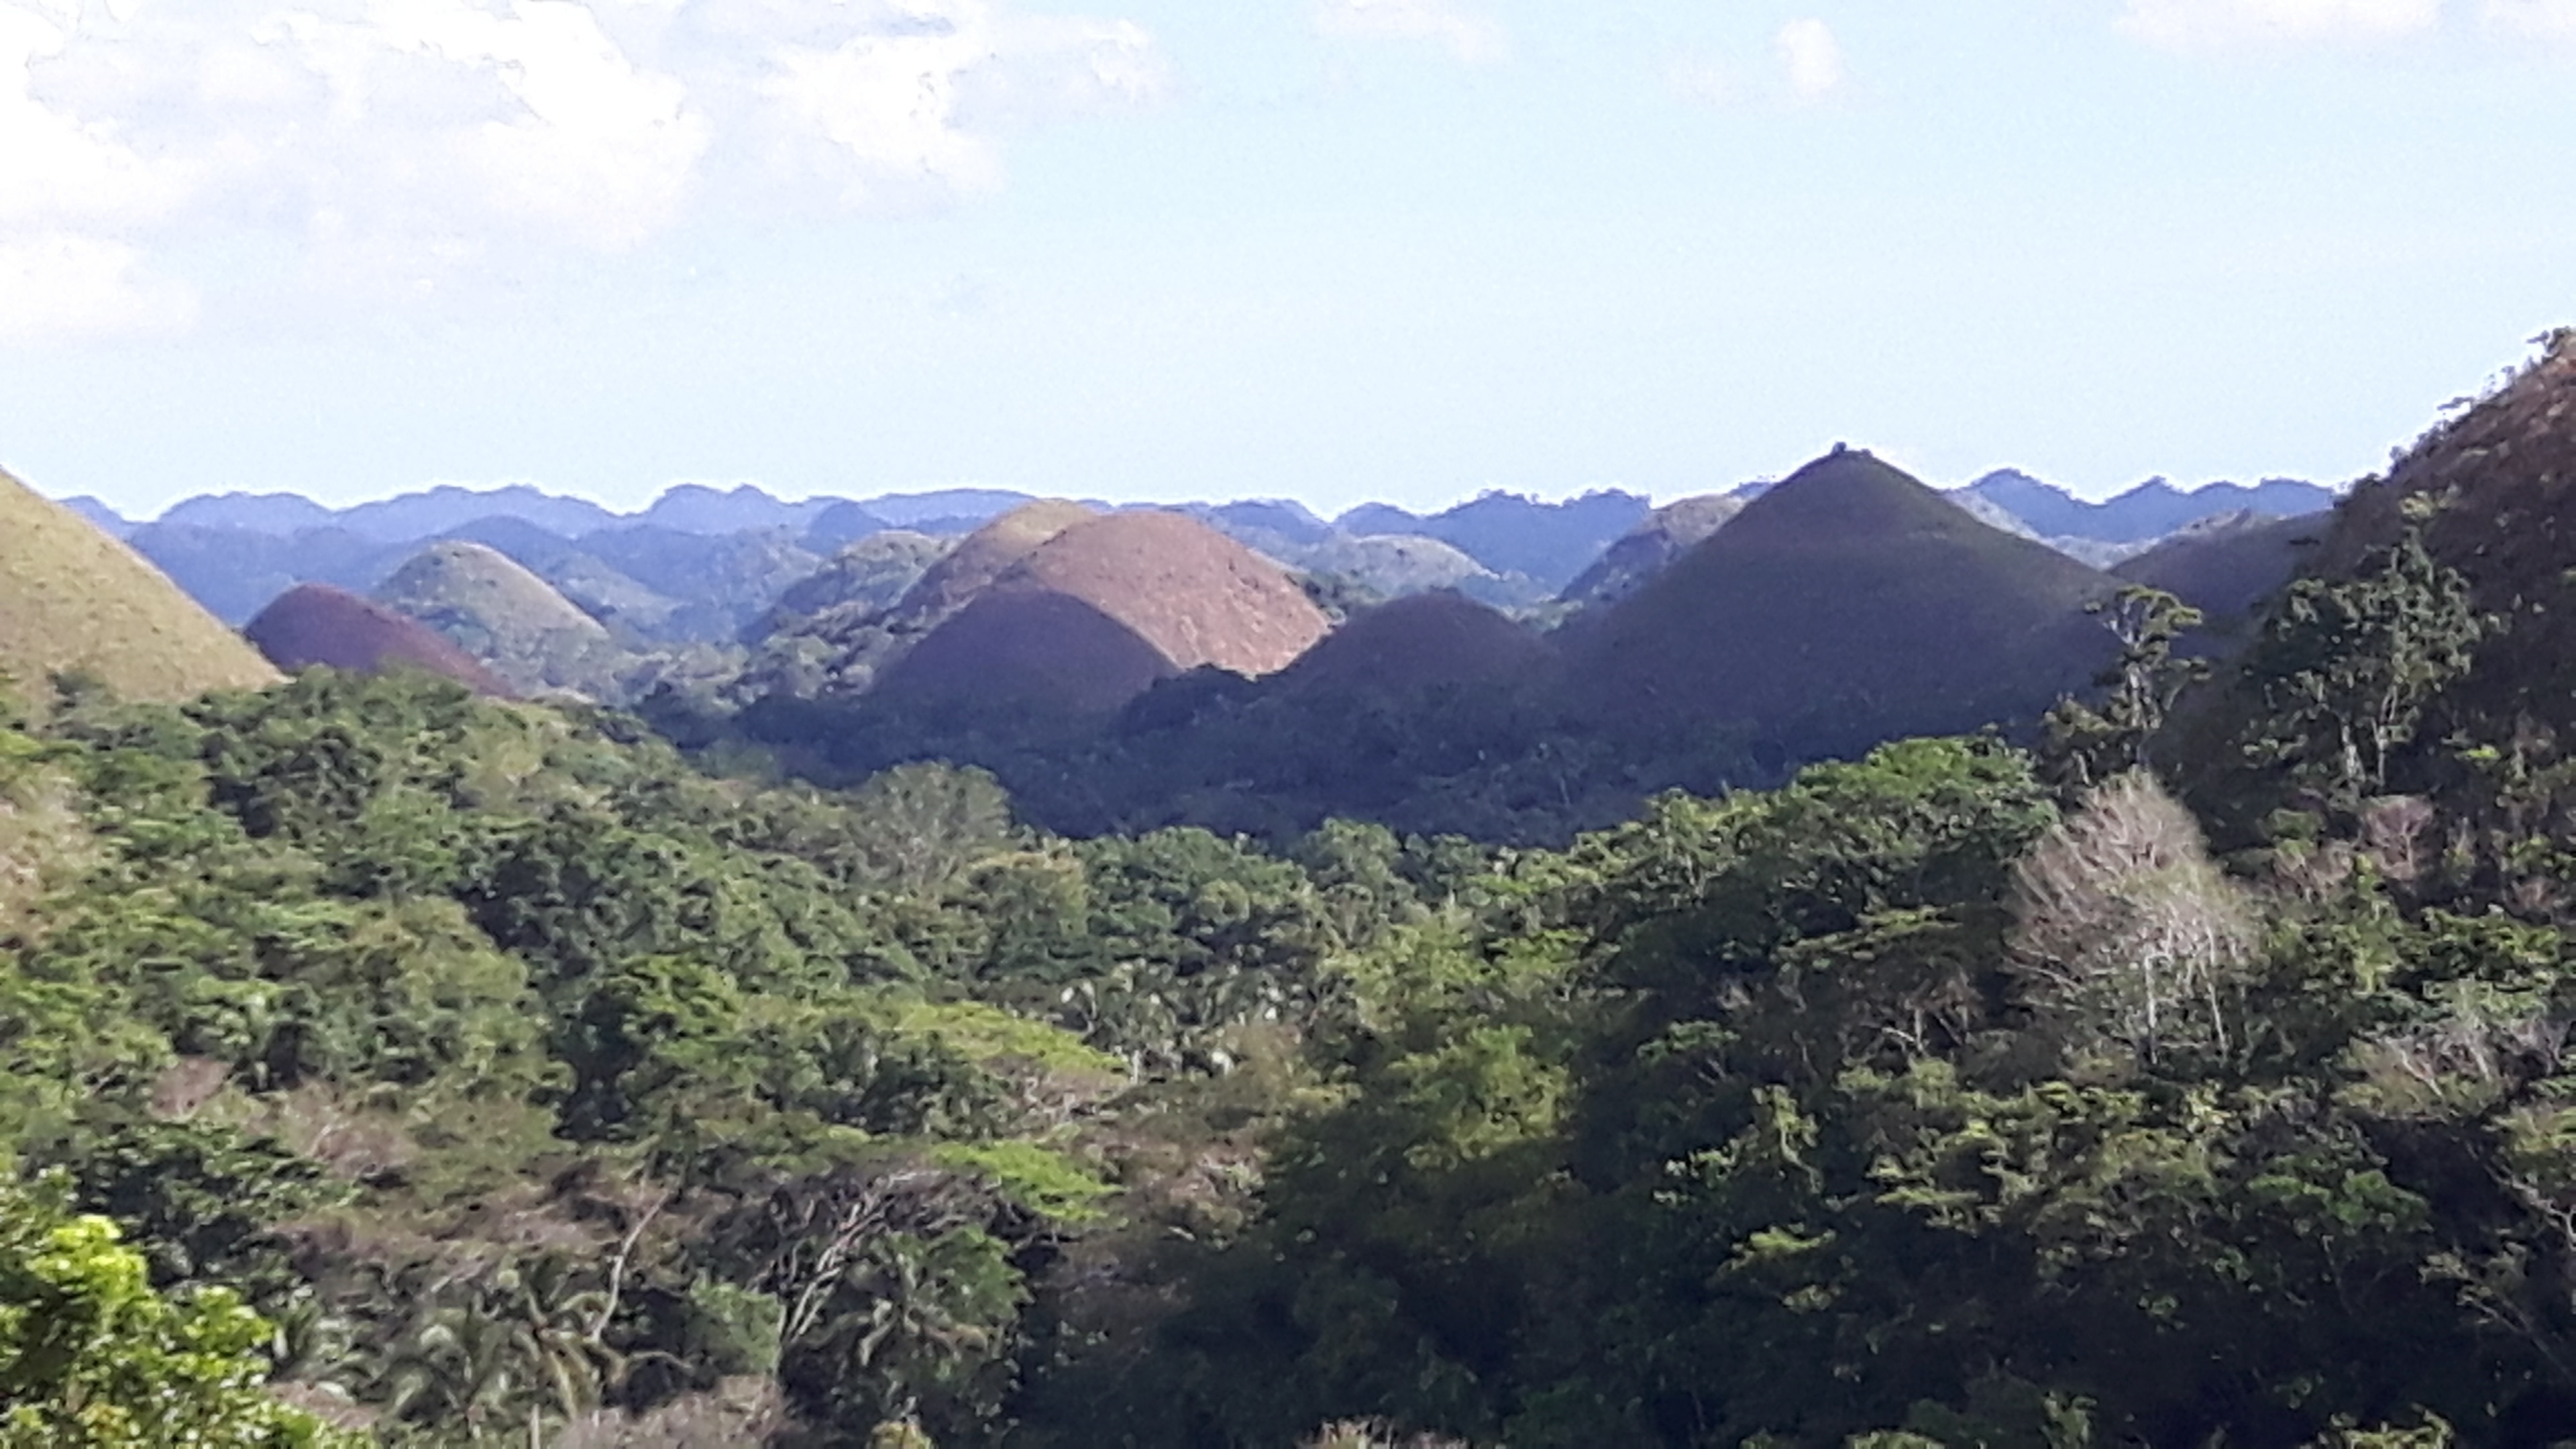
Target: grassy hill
(1847, 605)
(507, 617)
(985, 555)
(74, 599)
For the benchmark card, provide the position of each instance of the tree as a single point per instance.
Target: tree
(92, 1358)
(2126, 932)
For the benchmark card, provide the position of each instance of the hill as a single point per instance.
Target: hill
(317, 624)
(1646, 550)
(2226, 565)
(986, 554)
(1424, 642)
(1093, 615)
(1847, 605)
(508, 618)
(73, 599)
(864, 578)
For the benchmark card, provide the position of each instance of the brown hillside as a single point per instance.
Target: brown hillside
(985, 555)
(72, 599)
(318, 624)
(1067, 623)
(1027, 649)
(1421, 642)
(1848, 605)
(1190, 591)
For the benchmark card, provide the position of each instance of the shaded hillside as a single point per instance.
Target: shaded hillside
(2495, 491)
(514, 622)
(412, 517)
(1099, 611)
(2225, 566)
(1645, 551)
(1429, 641)
(234, 572)
(107, 520)
(73, 600)
(861, 579)
(317, 624)
(631, 610)
(254, 512)
(1847, 605)
(719, 583)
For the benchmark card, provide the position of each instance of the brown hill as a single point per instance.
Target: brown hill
(982, 557)
(1848, 605)
(1095, 614)
(72, 599)
(317, 624)
(1422, 642)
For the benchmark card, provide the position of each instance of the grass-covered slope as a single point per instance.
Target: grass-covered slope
(1847, 605)
(1650, 547)
(73, 599)
(516, 623)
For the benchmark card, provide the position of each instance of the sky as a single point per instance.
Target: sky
(1334, 250)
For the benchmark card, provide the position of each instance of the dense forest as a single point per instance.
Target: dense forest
(386, 1064)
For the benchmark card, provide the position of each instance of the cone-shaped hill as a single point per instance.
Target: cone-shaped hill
(507, 617)
(1419, 643)
(73, 599)
(1095, 614)
(1850, 604)
(317, 624)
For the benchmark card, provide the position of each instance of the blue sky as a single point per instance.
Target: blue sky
(1326, 249)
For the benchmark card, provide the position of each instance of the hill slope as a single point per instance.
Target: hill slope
(1096, 613)
(511, 620)
(1650, 547)
(1849, 604)
(317, 624)
(72, 598)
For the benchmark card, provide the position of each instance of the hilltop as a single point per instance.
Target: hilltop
(1098, 611)
(508, 618)
(1849, 604)
(314, 624)
(74, 600)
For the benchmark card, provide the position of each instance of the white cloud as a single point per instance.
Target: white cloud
(1473, 38)
(398, 141)
(61, 285)
(2213, 25)
(1813, 57)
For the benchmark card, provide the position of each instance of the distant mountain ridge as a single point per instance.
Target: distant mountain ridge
(2146, 512)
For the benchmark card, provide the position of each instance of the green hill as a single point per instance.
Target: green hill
(1849, 604)
(73, 599)
(516, 623)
